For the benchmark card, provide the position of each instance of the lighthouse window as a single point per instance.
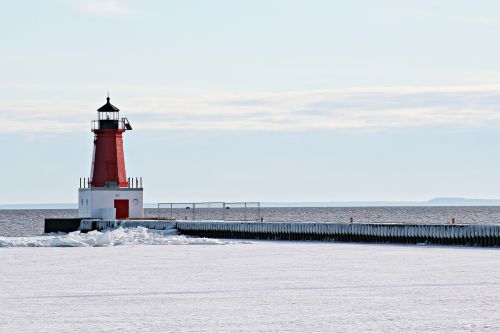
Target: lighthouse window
(136, 202)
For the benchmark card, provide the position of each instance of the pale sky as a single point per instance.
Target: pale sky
(255, 100)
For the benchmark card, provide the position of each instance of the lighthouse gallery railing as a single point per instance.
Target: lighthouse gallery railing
(123, 124)
(132, 182)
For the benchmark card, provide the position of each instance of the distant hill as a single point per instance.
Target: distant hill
(463, 202)
(432, 202)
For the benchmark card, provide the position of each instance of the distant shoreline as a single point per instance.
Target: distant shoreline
(436, 202)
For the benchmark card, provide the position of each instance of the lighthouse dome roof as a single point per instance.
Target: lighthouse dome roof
(108, 107)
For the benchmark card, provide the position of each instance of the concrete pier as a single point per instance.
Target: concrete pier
(95, 224)
(452, 234)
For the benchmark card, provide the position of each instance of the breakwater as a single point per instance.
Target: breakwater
(453, 234)
(475, 235)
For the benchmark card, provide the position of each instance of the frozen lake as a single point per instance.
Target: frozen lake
(262, 286)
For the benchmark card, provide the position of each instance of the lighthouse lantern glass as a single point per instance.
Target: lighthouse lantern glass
(108, 115)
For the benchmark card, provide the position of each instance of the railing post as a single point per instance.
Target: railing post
(258, 208)
(141, 182)
(194, 205)
(223, 211)
(158, 211)
(245, 211)
(171, 211)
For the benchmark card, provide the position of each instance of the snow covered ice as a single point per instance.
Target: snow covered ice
(119, 236)
(262, 286)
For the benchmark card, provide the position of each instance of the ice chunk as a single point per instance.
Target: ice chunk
(119, 236)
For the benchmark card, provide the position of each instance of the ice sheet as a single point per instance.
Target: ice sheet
(263, 286)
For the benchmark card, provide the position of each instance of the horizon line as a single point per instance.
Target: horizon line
(440, 201)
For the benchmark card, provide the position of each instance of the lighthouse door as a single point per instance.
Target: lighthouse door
(121, 206)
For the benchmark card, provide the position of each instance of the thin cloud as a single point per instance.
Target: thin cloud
(355, 109)
(450, 16)
(102, 7)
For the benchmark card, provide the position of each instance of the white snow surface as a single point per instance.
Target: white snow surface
(119, 236)
(240, 287)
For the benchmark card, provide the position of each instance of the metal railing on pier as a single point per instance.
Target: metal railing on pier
(211, 211)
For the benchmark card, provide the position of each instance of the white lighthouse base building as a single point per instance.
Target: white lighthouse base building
(110, 203)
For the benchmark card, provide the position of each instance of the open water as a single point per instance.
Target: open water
(29, 222)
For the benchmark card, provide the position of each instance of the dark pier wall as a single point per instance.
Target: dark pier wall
(62, 224)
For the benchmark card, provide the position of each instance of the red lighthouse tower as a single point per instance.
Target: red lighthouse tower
(108, 193)
(108, 165)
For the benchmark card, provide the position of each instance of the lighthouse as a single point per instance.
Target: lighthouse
(108, 193)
